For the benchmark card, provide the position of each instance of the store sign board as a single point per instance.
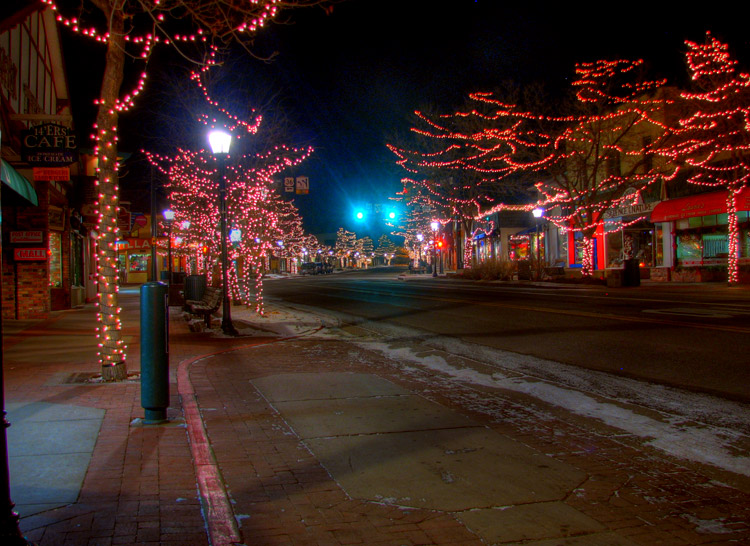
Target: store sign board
(26, 237)
(51, 174)
(49, 145)
(629, 210)
(30, 254)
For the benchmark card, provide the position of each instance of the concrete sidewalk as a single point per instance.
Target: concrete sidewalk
(299, 439)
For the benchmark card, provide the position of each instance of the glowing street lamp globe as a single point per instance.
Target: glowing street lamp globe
(220, 141)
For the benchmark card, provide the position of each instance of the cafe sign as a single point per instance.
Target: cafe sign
(49, 145)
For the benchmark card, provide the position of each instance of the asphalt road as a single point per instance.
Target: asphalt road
(689, 336)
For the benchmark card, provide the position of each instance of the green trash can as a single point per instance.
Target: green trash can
(195, 285)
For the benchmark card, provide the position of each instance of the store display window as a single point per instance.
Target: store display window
(55, 259)
(139, 263)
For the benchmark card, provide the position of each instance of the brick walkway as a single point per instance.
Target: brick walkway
(141, 486)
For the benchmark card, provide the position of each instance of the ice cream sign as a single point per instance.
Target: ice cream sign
(49, 145)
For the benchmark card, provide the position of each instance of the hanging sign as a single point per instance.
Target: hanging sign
(26, 237)
(49, 145)
(30, 254)
(303, 185)
(51, 174)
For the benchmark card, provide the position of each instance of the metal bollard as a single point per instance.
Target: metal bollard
(154, 352)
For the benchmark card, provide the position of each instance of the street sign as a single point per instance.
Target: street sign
(289, 185)
(303, 185)
(30, 254)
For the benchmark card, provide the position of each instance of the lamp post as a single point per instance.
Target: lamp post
(184, 227)
(220, 142)
(538, 212)
(434, 227)
(169, 219)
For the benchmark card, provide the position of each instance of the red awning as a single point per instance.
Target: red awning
(698, 205)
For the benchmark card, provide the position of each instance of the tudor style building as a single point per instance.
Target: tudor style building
(47, 252)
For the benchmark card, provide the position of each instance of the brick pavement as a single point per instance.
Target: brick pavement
(141, 484)
(283, 496)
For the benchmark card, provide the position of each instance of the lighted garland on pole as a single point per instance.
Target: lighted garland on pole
(714, 140)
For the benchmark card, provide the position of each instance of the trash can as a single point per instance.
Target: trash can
(195, 285)
(631, 276)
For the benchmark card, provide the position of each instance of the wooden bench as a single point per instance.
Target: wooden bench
(207, 305)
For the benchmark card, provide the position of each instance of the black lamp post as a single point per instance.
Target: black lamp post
(169, 219)
(220, 142)
(538, 213)
(434, 227)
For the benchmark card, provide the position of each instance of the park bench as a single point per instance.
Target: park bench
(207, 305)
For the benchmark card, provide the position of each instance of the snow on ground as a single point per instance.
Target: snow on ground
(697, 427)
(669, 433)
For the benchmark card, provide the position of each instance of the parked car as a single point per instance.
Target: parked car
(316, 268)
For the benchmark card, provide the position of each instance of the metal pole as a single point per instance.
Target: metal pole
(153, 229)
(538, 263)
(226, 317)
(434, 256)
(169, 254)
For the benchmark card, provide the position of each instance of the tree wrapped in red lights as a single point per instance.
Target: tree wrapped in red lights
(258, 216)
(604, 155)
(131, 31)
(468, 160)
(714, 139)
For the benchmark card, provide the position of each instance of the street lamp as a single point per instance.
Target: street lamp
(220, 142)
(434, 227)
(169, 219)
(538, 212)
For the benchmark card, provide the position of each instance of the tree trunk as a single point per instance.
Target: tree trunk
(587, 262)
(733, 269)
(111, 346)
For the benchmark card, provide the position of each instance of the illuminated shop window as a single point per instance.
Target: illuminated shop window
(55, 259)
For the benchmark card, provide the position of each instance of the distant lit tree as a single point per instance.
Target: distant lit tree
(345, 246)
(714, 140)
(604, 154)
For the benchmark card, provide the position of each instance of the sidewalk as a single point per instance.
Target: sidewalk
(315, 440)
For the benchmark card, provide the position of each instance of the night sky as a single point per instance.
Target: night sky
(349, 81)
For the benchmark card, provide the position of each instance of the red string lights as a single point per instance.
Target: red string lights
(714, 140)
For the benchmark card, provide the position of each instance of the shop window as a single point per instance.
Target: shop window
(76, 259)
(688, 248)
(715, 245)
(139, 262)
(658, 245)
(55, 259)
(614, 248)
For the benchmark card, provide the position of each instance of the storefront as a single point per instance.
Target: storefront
(698, 227)
(629, 234)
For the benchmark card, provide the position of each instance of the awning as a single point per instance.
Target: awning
(704, 204)
(17, 183)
